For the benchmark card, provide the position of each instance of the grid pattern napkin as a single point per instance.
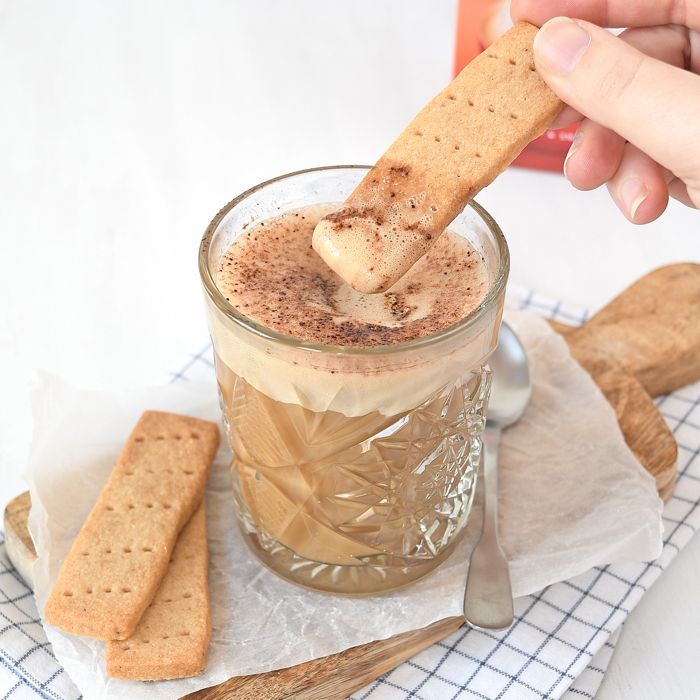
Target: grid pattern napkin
(559, 646)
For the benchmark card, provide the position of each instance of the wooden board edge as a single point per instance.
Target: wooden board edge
(332, 677)
(644, 429)
(18, 542)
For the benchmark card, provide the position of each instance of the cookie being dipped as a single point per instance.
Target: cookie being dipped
(454, 147)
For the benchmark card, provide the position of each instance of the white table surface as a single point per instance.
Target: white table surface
(125, 126)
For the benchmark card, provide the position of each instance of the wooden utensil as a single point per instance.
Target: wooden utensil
(647, 340)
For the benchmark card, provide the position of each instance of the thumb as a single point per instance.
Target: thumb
(651, 104)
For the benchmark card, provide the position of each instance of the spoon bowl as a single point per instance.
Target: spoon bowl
(511, 387)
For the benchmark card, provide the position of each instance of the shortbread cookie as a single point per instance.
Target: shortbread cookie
(453, 148)
(172, 637)
(122, 551)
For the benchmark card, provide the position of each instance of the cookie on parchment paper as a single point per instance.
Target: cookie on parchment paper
(455, 146)
(122, 552)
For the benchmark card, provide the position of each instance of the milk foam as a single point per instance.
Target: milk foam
(273, 276)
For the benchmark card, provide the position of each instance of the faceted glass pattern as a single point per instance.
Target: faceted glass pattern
(354, 505)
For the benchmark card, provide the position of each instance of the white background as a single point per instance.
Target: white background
(125, 126)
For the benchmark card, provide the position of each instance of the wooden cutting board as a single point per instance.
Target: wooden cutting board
(644, 343)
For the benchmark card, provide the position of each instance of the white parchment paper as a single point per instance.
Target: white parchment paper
(572, 497)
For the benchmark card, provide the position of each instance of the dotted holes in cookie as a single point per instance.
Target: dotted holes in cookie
(160, 437)
(194, 436)
(532, 67)
(139, 439)
(108, 551)
(126, 590)
(491, 109)
(109, 507)
(452, 98)
(492, 55)
(189, 472)
(418, 133)
(149, 505)
(456, 147)
(88, 590)
(166, 506)
(470, 102)
(437, 139)
(477, 155)
(68, 594)
(107, 590)
(184, 634)
(187, 595)
(513, 115)
(512, 62)
(127, 550)
(146, 549)
(131, 506)
(178, 437)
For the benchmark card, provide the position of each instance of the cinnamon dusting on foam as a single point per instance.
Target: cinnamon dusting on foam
(272, 275)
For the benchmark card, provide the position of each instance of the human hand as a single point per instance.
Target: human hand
(637, 95)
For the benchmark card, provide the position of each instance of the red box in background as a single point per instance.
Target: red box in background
(479, 22)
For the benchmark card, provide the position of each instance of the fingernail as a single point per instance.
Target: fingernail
(632, 193)
(578, 138)
(560, 44)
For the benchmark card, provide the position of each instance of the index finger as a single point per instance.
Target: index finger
(611, 13)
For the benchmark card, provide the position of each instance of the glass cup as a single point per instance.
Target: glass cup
(354, 468)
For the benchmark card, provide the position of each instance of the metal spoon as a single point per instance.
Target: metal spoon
(488, 599)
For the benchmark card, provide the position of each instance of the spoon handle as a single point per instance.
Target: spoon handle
(488, 599)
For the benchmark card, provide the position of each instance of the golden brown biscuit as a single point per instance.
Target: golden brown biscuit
(120, 555)
(456, 145)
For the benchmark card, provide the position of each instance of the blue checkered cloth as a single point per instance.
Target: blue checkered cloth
(28, 667)
(559, 645)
